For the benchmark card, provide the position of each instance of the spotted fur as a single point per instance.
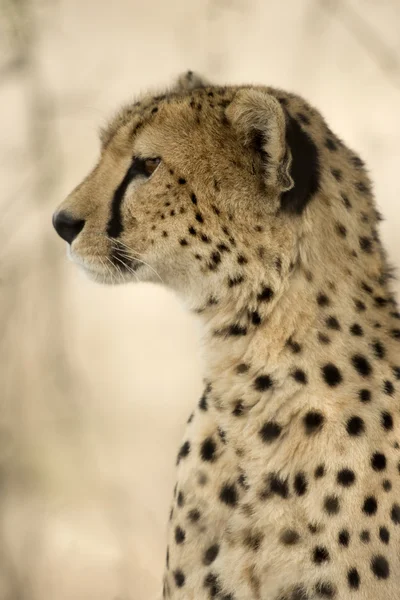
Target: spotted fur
(264, 222)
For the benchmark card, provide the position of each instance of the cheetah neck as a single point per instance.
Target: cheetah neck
(307, 345)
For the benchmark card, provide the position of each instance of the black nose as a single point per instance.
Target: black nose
(67, 226)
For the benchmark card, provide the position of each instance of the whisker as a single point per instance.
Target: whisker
(125, 266)
(135, 255)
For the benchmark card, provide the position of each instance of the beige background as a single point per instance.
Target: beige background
(96, 383)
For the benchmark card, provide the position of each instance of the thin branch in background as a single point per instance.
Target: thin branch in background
(368, 37)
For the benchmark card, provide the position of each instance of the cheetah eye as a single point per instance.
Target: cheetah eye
(142, 166)
(150, 165)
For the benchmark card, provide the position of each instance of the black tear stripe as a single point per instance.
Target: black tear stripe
(115, 226)
(304, 170)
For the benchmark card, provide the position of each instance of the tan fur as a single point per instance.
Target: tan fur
(250, 517)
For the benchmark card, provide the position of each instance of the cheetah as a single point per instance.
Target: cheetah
(244, 202)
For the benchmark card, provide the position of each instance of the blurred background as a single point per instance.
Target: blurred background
(88, 435)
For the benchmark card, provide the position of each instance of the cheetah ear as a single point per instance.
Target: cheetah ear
(189, 81)
(289, 155)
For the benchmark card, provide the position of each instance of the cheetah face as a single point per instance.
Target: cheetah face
(183, 182)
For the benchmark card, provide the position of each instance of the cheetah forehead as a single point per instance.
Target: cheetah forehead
(194, 90)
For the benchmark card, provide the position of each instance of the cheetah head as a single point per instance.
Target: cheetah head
(199, 187)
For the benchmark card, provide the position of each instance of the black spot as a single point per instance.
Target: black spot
(179, 578)
(295, 346)
(344, 538)
(370, 506)
(210, 554)
(183, 242)
(395, 513)
(355, 426)
(253, 540)
(262, 383)
(304, 168)
(299, 376)
(366, 244)
(313, 528)
(387, 421)
(236, 330)
(211, 581)
(365, 536)
(362, 187)
(367, 288)
(184, 451)
(181, 181)
(353, 579)
(203, 404)
(238, 410)
(319, 472)
(300, 484)
(289, 537)
(204, 238)
(179, 535)
(395, 334)
(332, 375)
(324, 339)
(360, 306)
(228, 495)
(384, 534)
(332, 323)
(330, 144)
(181, 499)
(265, 295)
(233, 281)
(380, 567)
(255, 318)
(222, 435)
(320, 555)
(323, 300)
(357, 162)
(378, 461)
(332, 505)
(386, 484)
(361, 365)
(278, 485)
(194, 515)
(325, 589)
(379, 349)
(346, 477)
(341, 230)
(346, 201)
(242, 368)
(208, 449)
(194, 199)
(270, 431)
(192, 230)
(242, 260)
(396, 372)
(388, 388)
(313, 421)
(337, 173)
(364, 395)
(380, 302)
(199, 218)
(278, 264)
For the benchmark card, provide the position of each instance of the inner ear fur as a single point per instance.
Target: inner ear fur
(289, 155)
